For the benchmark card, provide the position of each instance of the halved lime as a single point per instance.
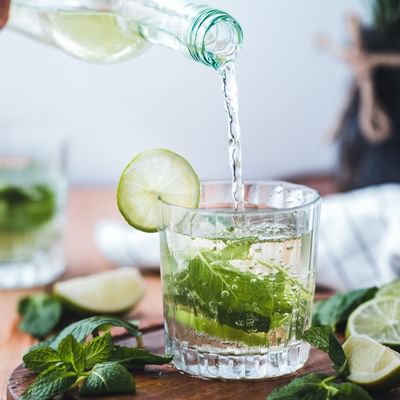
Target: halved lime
(371, 364)
(392, 289)
(151, 176)
(108, 292)
(379, 319)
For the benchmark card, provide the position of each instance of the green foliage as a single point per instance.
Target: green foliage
(39, 359)
(80, 330)
(50, 383)
(323, 338)
(74, 358)
(26, 208)
(133, 356)
(108, 378)
(322, 387)
(98, 350)
(40, 314)
(337, 309)
(350, 391)
(307, 387)
(319, 387)
(72, 353)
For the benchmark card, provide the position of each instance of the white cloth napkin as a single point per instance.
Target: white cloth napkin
(359, 238)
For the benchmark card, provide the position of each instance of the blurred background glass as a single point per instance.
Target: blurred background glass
(32, 203)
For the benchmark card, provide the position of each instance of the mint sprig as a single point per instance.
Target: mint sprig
(76, 358)
(319, 386)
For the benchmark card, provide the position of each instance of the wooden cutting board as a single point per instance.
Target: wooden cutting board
(166, 383)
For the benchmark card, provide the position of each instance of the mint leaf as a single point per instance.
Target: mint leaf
(39, 359)
(350, 391)
(72, 352)
(80, 330)
(98, 350)
(236, 249)
(50, 383)
(307, 387)
(134, 355)
(219, 291)
(40, 314)
(337, 309)
(324, 339)
(108, 378)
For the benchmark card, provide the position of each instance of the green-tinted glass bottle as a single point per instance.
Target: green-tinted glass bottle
(107, 31)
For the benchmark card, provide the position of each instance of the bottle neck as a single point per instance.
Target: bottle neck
(207, 35)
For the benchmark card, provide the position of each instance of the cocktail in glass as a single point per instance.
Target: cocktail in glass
(32, 202)
(238, 286)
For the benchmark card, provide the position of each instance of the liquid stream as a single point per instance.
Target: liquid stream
(230, 90)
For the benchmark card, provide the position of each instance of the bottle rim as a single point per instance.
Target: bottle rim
(211, 22)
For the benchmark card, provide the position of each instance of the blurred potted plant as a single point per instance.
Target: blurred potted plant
(368, 132)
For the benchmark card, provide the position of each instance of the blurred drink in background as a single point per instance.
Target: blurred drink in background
(32, 202)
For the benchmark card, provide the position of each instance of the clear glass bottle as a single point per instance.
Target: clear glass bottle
(107, 31)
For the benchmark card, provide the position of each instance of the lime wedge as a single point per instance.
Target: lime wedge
(371, 364)
(151, 176)
(392, 289)
(109, 292)
(379, 319)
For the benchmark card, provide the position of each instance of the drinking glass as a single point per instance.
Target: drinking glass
(32, 202)
(238, 286)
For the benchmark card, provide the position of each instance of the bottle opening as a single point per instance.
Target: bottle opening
(216, 38)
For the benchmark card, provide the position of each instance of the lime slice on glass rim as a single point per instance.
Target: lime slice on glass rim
(109, 292)
(392, 289)
(371, 364)
(151, 176)
(379, 319)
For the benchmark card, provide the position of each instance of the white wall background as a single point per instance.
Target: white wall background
(290, 96)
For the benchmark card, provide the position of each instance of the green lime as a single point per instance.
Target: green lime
(108, 292)
(392, 289)
(371, 364)
(151, 176)
(213, 328)
(379, 319)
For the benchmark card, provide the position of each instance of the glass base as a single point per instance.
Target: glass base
(42, 269)
(271, 364)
